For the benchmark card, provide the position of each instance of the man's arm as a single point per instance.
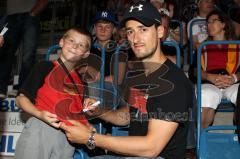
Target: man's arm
(39, 6)
(120, 117)
(151, 145)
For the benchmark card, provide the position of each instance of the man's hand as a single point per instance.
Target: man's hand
(78, 133)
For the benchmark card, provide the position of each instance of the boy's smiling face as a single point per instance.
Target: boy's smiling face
(74, 46)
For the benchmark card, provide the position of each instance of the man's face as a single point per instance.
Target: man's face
(206, 6)
(144, 40)
(104, 30)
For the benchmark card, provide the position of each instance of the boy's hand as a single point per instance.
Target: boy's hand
(49, 118)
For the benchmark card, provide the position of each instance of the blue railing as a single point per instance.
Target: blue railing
(178, 53)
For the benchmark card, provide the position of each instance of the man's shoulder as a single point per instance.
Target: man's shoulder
(173, 69)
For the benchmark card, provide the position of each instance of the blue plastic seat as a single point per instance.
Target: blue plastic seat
(214, 145)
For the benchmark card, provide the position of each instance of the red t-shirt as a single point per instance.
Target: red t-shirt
(59, 96)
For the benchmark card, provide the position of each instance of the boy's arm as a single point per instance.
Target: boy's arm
(24, 103)
(119, 117)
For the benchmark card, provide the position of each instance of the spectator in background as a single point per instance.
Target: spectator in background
(121, 35)
(220, 64)
(158, 4)
(168, 50)
(199, 33)
(174, 28)
(199, 29)
(105, 25)
(24, 27)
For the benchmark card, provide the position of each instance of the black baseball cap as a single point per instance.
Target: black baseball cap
(144, 12)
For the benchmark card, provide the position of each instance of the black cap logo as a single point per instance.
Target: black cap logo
(139, 7)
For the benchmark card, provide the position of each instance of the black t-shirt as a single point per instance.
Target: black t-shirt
(35, 79)
(165, 94)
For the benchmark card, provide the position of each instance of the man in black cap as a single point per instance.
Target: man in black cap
(158, 98)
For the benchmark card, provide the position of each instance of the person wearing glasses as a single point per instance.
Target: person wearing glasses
(220, 66)
(199, 29)
(53, 92)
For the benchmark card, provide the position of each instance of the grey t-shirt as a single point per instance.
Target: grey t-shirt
(19, 6)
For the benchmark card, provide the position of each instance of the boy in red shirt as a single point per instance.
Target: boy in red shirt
(53, 92)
